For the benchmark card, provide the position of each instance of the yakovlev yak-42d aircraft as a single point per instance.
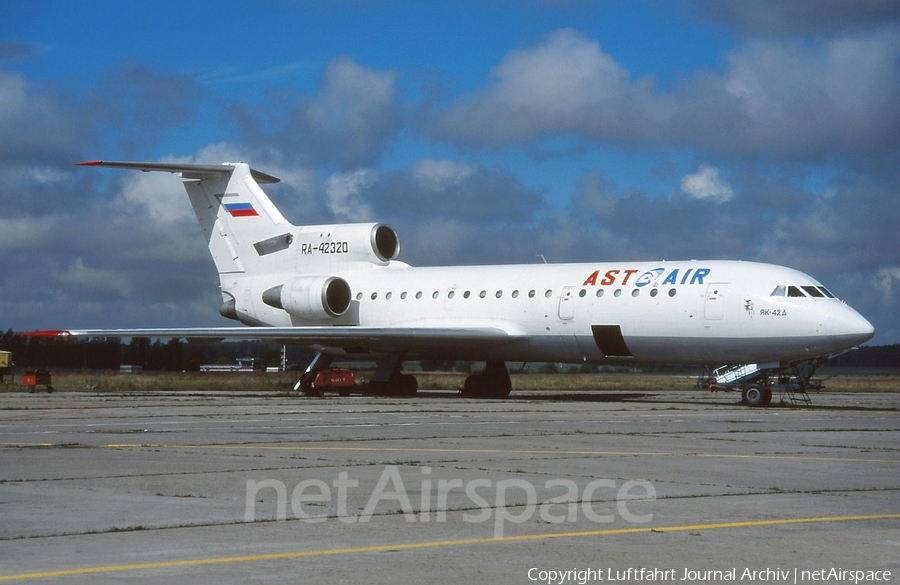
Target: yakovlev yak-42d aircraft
(340, 290)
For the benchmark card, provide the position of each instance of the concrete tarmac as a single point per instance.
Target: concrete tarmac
(662, 486)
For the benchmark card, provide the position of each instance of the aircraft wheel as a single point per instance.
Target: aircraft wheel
(407, 385)
(471, 388)
(486, 386)
(398, 385)
(753, 395)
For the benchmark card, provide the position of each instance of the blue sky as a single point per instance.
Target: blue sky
(485, 132)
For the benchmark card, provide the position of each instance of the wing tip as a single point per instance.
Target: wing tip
(89, 163)
(45, 333)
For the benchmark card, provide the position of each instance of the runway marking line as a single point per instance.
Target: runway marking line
(436, 544)
(460, 450)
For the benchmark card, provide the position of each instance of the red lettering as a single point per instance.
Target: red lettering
(592, 279)
(628, 274)
(609, 277)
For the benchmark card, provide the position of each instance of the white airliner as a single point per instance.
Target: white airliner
(339, 289)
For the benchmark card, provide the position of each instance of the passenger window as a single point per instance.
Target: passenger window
(531, 294)
(451, 294)
(793, 291)
(548, 294)
(499, 294)
(467, 294)
(654, 292)
(672, 292)
(779, 291)
(813, 292)
(403, 295)
(419, 295)
(599, 293)
(636, 292)
(515, 294)
(581, 293)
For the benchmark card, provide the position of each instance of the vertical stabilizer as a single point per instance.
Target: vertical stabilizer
(239, 221)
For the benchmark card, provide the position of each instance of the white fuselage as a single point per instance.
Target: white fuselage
(672, 312)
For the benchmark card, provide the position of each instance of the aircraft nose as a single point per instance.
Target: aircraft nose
(852, 327)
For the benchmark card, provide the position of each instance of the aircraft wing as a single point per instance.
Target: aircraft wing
(352, 339)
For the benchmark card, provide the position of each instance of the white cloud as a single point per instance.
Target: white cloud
(342, 190)
(888, 280)
(158, 196)
(27, 233)
(706, 184)
(95, 279)
(439, 175)
(801, 100)
(566, 84)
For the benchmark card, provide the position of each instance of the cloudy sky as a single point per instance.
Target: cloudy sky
(485, 132)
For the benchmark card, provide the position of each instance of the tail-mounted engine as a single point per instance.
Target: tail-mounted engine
(315, 294)
(311, 297)
(376, 243)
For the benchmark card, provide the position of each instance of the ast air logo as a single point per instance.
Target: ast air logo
(623, 277)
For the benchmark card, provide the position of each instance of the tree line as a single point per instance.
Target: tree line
(110, 353)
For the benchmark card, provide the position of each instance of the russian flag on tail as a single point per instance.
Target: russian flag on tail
(241, 210)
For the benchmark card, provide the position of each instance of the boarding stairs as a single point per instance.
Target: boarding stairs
(734, 375)
(794, 381)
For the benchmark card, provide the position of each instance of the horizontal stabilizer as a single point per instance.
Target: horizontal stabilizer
(189, 171)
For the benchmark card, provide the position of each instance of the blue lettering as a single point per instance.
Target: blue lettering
(699, 275)
(686, 274)
(672, 278)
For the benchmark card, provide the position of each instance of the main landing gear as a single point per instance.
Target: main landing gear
(388, 380)
(493, 382)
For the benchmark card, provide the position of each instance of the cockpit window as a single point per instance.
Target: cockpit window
(814, 292)
(818, 291)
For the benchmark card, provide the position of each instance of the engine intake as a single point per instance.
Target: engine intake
(385, 242)
(311, 297)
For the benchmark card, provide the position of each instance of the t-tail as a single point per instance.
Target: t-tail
(261, 257)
